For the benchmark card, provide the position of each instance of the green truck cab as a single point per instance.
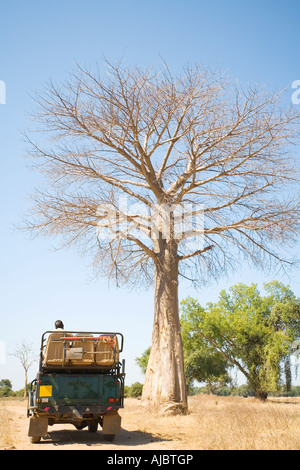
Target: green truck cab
(80, 381)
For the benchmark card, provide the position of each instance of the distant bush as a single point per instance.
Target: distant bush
(135, 390)
(244, 391)
(6, 392)
(6, 388)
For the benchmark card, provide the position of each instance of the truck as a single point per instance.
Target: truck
(80, 380)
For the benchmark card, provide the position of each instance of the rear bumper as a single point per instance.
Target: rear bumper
(72, 410)
(72, 414)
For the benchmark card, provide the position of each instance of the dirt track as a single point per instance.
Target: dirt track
(66, 437)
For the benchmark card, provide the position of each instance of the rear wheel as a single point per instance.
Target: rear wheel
(93, 426)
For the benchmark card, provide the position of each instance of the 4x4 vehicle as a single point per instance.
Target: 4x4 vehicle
(80, 381)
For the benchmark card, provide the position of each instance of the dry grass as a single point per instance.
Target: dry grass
(5, 431)
(219, 423)
(231, 423)
(7, 425)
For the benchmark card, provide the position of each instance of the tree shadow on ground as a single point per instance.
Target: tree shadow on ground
(83, 437)
(286, 401)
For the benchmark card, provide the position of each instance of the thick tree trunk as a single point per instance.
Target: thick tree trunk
(25, 386)
(165, 385)
(261, 395)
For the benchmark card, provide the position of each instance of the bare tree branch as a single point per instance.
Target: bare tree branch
(162, 140)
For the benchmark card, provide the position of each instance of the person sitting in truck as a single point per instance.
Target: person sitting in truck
(59, 325)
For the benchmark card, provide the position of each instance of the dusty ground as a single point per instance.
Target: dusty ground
(212, 423)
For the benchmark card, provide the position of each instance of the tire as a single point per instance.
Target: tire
(93, 426)
(81, 425)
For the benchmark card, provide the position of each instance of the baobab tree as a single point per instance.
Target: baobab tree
(161, 176)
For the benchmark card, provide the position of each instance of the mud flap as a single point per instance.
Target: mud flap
(111, 423)
(38, 427)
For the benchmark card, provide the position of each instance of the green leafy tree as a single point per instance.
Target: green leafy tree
(252, 332)
(6, 388)
(136, 389)
(5, 383)
(202, 362)
(143, 360)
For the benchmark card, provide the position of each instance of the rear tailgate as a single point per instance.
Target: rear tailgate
(61, 389)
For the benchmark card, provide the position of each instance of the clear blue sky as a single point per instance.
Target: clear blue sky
(254, 41)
